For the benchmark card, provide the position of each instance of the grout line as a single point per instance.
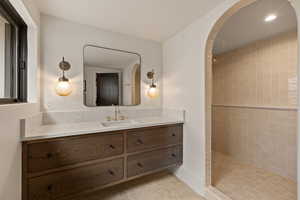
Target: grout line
(257, 107)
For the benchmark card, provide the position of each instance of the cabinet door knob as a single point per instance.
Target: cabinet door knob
(49, 155)
(112, 146)
(173, 155)
(50, 187)
(111, 172)
(140, 165)
(173, 134)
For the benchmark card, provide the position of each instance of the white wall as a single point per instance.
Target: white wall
(10, 148)
(10, 115)
(62, 38)
(184, 88)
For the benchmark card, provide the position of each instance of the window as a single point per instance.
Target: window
(13, 55)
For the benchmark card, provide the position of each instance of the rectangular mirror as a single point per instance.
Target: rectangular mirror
(111, 77)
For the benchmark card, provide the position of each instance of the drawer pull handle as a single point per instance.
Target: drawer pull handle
(111, 172)
(112, 146)
(50, 187)
(140, 165)
(140, 141)
(173, 155)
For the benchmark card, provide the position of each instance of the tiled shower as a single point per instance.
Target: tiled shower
(255, 106)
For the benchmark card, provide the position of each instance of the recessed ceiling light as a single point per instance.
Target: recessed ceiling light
(270, 18)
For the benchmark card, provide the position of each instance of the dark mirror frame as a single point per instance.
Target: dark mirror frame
(110, 49)
(15, 54)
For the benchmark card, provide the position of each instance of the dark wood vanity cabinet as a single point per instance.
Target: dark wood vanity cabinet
(62, 168)
(52, 154)
(151, 161)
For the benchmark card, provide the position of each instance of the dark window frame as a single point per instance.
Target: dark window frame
(15, 54)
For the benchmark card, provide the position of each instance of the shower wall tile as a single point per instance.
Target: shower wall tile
(260, 137)
(249, 85)
(260, 74)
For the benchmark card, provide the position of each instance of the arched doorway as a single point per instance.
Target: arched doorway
(136, 87)
(208, 82)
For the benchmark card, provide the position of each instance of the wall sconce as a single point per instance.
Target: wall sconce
(152, 91)
(63, 87)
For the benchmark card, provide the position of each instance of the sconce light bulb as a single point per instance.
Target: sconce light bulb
(63, 88)
(152, 92)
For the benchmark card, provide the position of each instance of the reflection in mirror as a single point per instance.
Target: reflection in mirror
(111, 77)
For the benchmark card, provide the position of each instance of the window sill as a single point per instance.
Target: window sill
(16, 106)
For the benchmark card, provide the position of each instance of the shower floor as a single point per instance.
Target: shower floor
(240, 182)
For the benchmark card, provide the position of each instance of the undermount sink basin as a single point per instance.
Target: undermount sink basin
(118, 123)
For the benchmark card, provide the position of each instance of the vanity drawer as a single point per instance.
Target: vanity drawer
(154, 160)
(57, 153)
(143, 139)
(65, 183)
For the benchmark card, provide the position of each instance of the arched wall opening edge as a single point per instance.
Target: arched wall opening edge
(208, 85)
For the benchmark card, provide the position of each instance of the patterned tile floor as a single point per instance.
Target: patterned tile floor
(245, 182)
(162, 186)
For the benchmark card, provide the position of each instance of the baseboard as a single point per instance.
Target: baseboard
(197, 185)
(212, 193)
(191, 179)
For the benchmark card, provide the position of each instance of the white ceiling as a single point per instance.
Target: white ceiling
(248, 24)
(149, 19)
(99, 57)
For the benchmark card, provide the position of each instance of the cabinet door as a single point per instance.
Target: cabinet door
(70, 182)
(143, 139)
(154, 160)
(57, 153)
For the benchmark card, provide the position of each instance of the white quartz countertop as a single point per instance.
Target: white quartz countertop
(72, 129)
